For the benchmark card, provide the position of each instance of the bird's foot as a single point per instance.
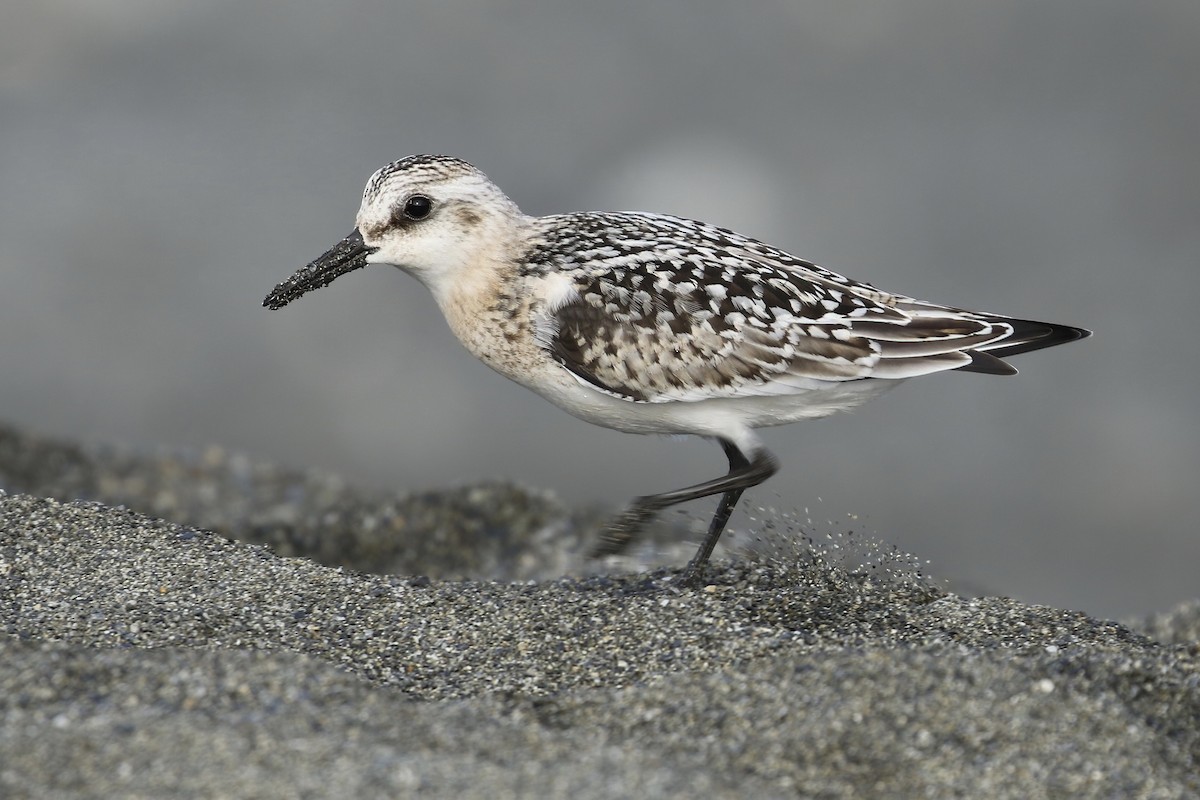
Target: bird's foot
(621, 530)
(692, 577)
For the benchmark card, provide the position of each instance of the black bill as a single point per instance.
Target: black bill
(346, 256)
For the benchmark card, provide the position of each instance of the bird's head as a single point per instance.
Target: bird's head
(432, 216)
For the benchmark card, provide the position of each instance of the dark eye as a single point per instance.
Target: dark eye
(417, 207)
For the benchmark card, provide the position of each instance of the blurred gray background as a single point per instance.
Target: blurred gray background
(164, 164)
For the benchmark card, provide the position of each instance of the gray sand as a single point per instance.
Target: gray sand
(148, 658)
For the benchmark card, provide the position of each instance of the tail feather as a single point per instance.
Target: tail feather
(987, 364)
(1027, 335)
(1031, 335)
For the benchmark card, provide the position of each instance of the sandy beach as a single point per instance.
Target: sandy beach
(149, 658)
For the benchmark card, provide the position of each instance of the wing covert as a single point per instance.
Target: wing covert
(658, 332)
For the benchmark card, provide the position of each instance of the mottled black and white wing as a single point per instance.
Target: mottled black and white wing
(660, 309)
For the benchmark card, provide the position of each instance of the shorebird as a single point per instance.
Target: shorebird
(649, 323)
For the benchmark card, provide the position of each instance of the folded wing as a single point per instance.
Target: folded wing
(742, 319)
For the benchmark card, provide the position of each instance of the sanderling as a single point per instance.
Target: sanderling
(649, 323)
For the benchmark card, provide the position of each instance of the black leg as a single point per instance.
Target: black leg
(691, 574)
(743, 473)
(737, 461)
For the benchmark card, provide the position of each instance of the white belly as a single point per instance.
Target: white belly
(727, 417)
